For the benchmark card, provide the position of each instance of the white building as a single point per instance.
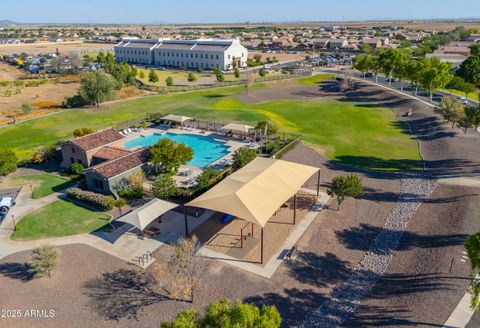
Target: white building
(202, 53)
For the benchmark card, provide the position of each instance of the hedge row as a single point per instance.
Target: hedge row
(98, 200)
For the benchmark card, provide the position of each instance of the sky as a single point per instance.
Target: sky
(216, 11)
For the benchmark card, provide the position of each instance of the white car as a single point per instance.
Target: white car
(6, 204)
(464, 100)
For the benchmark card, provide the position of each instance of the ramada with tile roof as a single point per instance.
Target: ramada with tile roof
(83, 149)
(105, 159)
(104, 177)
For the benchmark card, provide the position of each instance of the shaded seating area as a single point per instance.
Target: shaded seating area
(241, 130)
(178, 119)
(143, 216)
(253, 195)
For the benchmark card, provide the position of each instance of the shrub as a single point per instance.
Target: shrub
(77, 168)
(191, 77)
(74, 102)
(80, 132)
(44, 260)
(132, 193)
(220, 77)
(164, 187)
(169, 81)
(153, 76)
(237, 73)
(243, 156)
(262, 72)
(101, 201)
(119, 203)
(273, 147)
(200, 70)
(26, 108)
(8, 161)
(208, 177)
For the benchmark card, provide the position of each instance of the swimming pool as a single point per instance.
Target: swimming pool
(205, 150)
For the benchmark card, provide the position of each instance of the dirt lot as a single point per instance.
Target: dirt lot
(9, 73)
(39, 97)
(281, 57)
(46, 47)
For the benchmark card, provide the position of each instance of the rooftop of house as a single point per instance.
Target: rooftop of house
(109, 153)
(98, 139)
(122, 164)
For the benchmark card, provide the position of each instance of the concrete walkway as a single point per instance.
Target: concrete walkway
(462, 313)
(271, 266)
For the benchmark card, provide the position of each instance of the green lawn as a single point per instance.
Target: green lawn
(93, 55)
(316, 79)
(365, 135)
(473, 96)
(45, 184)
(60, 218)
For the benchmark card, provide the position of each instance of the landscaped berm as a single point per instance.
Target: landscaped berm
(350, 128)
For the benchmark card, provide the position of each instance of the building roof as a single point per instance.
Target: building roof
(257, 190)
(122, 164)
(237, 127)
(144, 215)
(176, 118)
(97, 139)
(109, 153)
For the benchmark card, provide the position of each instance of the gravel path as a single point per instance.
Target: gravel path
(344, 301)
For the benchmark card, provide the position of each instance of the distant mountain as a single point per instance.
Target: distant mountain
(7, 22)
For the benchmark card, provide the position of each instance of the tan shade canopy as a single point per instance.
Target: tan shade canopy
(256, 191)
(176, 118)
(237, 127)
(144, 215)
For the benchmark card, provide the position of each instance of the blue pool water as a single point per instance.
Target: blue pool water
(205, 150)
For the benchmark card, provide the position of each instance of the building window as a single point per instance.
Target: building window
(211, 56)
(73, 150)
(72, 160)
(196, 55)
(98, 183)
(217, 57)
(228, 57)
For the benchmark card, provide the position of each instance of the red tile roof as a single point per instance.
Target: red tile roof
(109, 153)
(122, 164)
(98, 139)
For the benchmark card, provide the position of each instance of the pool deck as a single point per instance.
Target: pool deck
(187, 173)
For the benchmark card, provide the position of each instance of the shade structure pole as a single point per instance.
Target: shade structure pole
(318, 183)
(252, 229)
(294, 208)
(186, 221)
(261, 246)
(241, 238)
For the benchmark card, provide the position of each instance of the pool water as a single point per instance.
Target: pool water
(205, 150)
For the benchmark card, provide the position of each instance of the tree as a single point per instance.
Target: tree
(44, 260)
(153, 76)
(8, 161)
(363, 63)
(236, 72)
(450, 109)
(243, 156)
(170, 155)
(475, 49)
(271, 127)
(470, 70)
(467, 88)
(180, 275)
(42, 154)
(96, 87)
(191, 77)
(208, 177)
(247, 82)
(223, 314)
(169, 81)
(80, 132)
(365, 48)
(455, 83)
(434, 74)
(164, 187)
(470, 117)
(473, 251)
(77, 168)
(220, 77)
(257, 58)
(26, 108)
(141, 74)
(345, 186)
(262, 72)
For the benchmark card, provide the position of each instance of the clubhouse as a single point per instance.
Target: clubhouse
(192, 54)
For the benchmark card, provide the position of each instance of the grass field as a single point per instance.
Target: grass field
(351, 133)
(60, 218)
(45, 184)
(473, 96)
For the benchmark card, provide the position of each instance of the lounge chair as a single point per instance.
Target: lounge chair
(130, 131)
(126, 132)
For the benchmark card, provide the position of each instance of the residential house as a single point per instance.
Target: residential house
(337, 43)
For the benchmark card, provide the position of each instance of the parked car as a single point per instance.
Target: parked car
(369, 75)
(464, 100)
(391, 80)
(6, 204)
